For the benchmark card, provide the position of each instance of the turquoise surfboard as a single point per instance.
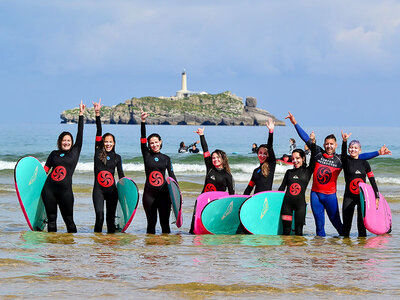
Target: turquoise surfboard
(261, 214)
(29, 179)
(176, 200)
(128, 199)
(221, 216)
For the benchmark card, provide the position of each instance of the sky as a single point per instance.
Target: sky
(330, 63)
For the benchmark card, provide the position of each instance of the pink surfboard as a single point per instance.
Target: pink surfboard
(203, 200)
(377, 221)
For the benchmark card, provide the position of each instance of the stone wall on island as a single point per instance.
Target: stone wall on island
(210, 109)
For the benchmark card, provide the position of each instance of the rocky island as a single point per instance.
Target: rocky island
(197, 109)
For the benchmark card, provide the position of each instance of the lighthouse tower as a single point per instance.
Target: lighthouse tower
(183, 92)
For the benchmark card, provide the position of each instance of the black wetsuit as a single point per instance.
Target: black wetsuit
(295, 182)
(216, 180)
(156, 195)
(58, 186)
(355, 171)
(258, 180)
(104, 183)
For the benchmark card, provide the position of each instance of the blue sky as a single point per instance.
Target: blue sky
(329, 62)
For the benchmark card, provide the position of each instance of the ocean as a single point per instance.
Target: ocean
(179, 265)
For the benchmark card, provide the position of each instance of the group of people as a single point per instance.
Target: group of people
(325, 166)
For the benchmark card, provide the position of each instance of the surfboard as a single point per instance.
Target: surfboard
(221, 216)
(176, 200)
(202, 201)
(377, 221)
(128, 199)
(289, 163)
(29, 179)
(261, 214)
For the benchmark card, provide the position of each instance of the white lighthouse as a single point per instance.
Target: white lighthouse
(183, 92)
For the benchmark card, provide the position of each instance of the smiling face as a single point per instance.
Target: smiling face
(66, 143)
(262, 154)
(354, 150)
(155, 144)
(108, 143)
(216, 161)
(297, 160)
(330, 146)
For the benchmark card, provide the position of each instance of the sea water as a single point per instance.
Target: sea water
(179, 265)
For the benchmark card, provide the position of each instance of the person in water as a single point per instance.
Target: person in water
(263, 176)
(194, 149)
(155, 195)
(218, 172)
(60, 166)
(105, 163)
(295, 183)
(254, 148)
(183, 148)
(292, 145)
(355, 171)
(327, 168)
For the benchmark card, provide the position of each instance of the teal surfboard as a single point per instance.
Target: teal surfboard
(29, 179)
(128, 199)
(221, 216)
(261, 214)
(176, 200)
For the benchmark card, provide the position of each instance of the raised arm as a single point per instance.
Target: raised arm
(382, 151)
(302, 134)
(344, 157)
(204, 146)
(143, 140)
(79, 135)
(97, 106)
(270, 144)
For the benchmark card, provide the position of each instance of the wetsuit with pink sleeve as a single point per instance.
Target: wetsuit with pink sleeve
(323, 191)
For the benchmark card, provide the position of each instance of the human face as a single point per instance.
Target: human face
(155, 144)
(66, 143)
(216, 161)
(297, 160)
(330, 146)
(109, 143)
(354, 150)
(262, 155)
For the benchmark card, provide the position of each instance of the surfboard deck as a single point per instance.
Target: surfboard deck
(202, 201)
(221, 216)
(176, 200)
(29, 179)
(377, 221)
(261, 214)
(128, 199)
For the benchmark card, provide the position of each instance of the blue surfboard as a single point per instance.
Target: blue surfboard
(128, 199)
(29, 179)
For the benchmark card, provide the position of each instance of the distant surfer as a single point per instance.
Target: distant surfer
(60, 166)
(184, 149)
(355, 171)
(328, 165)
(254, 148)
(218, 177)
(263, 176)
(194, 149)
(155, 196)
(292, 145)
(295, 183)
(105, 163)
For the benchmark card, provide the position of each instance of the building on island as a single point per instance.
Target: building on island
(184, 92)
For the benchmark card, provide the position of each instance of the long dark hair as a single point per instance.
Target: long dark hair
(103, 152)
(151, 136)
(302, 155)
(60, 138)
(224, 159)
(265, 165)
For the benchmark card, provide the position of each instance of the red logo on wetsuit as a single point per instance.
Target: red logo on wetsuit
(105, 179)
(59, 173)
(210, 188)
(353, 186)
(156, 178)
(324, 175)
(295, 189)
